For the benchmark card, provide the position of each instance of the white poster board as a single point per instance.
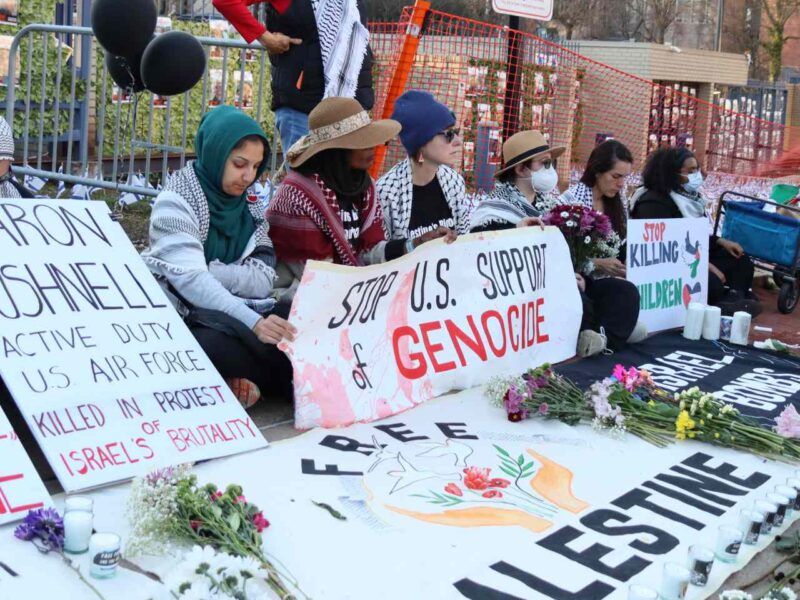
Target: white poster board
(667, 260)
(541, 10)
(21, 488)
(109, 379)
(375, 341)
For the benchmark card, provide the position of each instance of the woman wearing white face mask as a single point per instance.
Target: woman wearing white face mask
(527, 186)
(671, 183)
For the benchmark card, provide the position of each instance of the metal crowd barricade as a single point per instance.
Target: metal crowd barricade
(85, 130)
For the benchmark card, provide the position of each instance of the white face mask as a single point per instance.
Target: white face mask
(694, 183)
(544, 180)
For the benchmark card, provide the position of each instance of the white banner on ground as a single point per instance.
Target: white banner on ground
(21, 488)
(451, 500)
(108, 377)
(377, 340)
(668, 261)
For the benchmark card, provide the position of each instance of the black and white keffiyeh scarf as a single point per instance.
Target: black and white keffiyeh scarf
(343, 41)
(505, 205)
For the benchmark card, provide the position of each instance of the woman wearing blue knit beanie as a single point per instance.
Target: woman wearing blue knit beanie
(423, 197)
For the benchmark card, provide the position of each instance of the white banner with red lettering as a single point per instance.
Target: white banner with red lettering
(375, 341)
(108, 377)
(667, 259)
(21, 488)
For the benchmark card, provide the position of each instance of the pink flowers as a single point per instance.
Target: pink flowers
(512, 402)
(632, 378)
(544, 408)
(499, 482)
(476, 478)
(260, 521)
(787, 424)
(453, 489)
(492, 494)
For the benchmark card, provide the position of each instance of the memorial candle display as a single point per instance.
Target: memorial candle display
(729, 540)
(78, 522)
(674, 582)
(695, 315)
(104, 552)
(751, 523)
(700, 561)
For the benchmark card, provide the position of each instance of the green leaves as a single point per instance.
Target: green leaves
(234, 520)
(440, 499)
(518, 468)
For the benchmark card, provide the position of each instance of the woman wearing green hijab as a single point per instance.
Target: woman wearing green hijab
(210, 249)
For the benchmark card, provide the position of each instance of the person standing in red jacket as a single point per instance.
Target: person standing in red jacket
(318, 49)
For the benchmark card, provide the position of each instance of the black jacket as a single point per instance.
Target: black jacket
(291, 90)
(654, 205)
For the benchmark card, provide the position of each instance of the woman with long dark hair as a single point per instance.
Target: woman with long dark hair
(601, 188)
(671, 182)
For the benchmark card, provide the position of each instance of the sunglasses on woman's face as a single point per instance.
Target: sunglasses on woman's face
(450, 135)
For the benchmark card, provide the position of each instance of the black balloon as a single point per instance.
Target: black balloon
(126, 72)
(172, 63)
(123, 27)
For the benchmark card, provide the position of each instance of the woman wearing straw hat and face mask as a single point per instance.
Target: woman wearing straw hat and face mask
(525, 187)
(210, 250)
(327, 208)
(423, 193)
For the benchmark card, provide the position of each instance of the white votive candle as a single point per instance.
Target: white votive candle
(701, 559)
(77, 531)
(711, 322)
(104, 553)
(740, 328)
(695, 314)
(769, 510)
(674, 582)
(782, 502)
(729, 540)
(641, 592)
(751, 523)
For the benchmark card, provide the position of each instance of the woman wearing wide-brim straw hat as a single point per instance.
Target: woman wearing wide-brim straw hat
(326, 208)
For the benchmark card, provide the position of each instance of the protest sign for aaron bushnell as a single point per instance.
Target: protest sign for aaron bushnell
(375, 341)
(109, 379)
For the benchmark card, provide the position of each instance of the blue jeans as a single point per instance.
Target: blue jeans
(292, 125)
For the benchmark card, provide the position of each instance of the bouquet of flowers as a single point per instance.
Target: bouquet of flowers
(588, 233)
(169, 505)
(629, 401)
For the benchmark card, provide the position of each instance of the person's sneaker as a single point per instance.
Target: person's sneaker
(638, 334)
(591, 343)
(246, 392)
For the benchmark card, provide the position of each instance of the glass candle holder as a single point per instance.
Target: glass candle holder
(795, 483)
(641, 592)
(782, 502)
(78, 523)
(729, 540)
(104, 552)
(769, 511)
(700, 561)
(674, 582)
(791, 493)
(751, 522)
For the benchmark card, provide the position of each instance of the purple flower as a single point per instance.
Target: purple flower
(544, 408)
(44, 527)
(512, 402)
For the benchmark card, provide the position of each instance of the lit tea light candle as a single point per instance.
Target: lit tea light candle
(104, 552)
(729, 540)
(701, 559)
(674, 582)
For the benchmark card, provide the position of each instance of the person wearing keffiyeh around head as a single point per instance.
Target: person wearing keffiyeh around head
(210, 250)
(9, 187)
